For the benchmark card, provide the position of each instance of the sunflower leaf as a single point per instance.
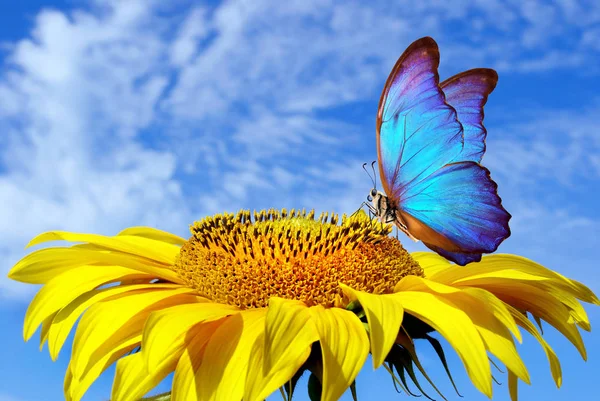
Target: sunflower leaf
(440, 353)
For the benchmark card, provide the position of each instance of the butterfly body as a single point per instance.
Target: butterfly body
(388, 213)
(430, 140)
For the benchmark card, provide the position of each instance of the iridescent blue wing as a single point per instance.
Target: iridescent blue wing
(452, 207)
(417, 131)
(457, 212)
(467, 92)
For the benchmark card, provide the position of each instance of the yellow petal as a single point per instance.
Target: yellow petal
(498, 308)
(185, 386)
(384, 316)
(489, 315)
(542, 304)
(415, 283)
(512, 386)
(492, 268)
(77, 386)
(344, 345)
(63, 289)
(260, 384)
(166, 331)
(576, 310)
(281, 351)
(41, 266)
(155, 234)
(285, 320)
(487, 300)
(68, 383)
(514, 281)
(67, 316)
(139, 378)
(46, 324)
(582, 292)
(495, 335)
(132, 379)
(431, 263)
(458, 329)
(225, 361)
(552, 358)
(107, 324)
(148, 248)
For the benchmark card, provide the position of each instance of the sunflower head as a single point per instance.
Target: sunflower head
(245, 259)
(250, 302)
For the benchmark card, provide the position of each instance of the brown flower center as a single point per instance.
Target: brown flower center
(244, 261)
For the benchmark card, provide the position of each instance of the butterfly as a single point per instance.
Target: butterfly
(430, 141)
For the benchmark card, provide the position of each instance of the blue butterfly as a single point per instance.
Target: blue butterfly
(430, 141)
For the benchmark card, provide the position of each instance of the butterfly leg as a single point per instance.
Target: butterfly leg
(360, 207)
(371, 210)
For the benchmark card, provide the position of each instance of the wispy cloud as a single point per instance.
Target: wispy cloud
(142, 113)
(559, 144)
(76, 98)
(6, 397)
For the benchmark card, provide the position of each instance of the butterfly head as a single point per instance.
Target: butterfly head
(378, 200)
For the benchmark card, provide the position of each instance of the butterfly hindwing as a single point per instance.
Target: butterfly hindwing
(457, 257)
(460, 210)
(467, 93)
(417, 131)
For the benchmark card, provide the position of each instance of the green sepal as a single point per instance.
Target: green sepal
(353, 390)
(159, 397)
(440, 353)
(539, 323)
(314, 388)
(390, 368)
(290, 386)
(408, 360)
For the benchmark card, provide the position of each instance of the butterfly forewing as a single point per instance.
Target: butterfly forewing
(467, 93)
(417, 131)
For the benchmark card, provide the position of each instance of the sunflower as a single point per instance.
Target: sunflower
(253, 301)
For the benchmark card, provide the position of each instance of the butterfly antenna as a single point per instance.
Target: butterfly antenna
(374, 174)
(372, 179)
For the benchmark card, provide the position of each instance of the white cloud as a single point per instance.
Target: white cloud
(194, 28)
(81, 91)
(561, 145)
(137, 113)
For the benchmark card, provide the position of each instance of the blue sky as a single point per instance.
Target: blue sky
(115, 114)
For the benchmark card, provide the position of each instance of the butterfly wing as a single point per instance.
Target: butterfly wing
(417, 131)
(467, 92)
(452, 207)
(457, 212)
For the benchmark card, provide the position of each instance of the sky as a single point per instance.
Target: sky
(121, 113)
